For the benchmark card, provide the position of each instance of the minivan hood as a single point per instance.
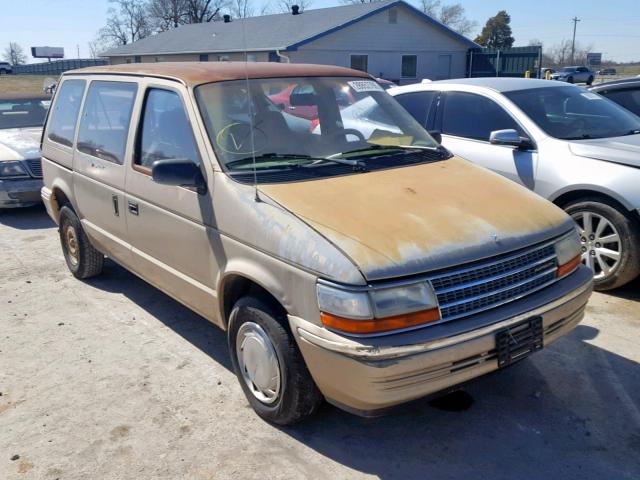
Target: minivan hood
(624, 150)
(20, 143)
(411, 220)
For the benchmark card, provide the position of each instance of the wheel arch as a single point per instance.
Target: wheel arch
(236, 284)
(60, 195)
(565, 197)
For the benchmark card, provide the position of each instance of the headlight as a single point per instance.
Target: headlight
(12, 169)
(568, 253)
(377, 310)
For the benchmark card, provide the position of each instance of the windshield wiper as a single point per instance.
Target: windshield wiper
(267, 157)
(584, 136)
(632, 132)
(375, 148)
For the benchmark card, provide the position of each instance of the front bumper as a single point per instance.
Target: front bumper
(20, 192)
(365, 376)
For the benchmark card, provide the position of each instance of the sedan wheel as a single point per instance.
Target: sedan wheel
(610, 240)
(601, 246)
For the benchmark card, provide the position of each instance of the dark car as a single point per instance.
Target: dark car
(624, 92)
(607, 71)
(5, 68)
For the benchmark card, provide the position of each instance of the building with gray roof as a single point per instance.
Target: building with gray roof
(389, 39)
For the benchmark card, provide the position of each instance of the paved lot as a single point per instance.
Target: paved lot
(111, 379)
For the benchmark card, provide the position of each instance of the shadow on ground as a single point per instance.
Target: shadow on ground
(571, 411)
(29, 218)
(630, 291)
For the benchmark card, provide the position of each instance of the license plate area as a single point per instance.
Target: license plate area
(519, 341)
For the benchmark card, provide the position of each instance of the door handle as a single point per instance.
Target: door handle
(116, 208)
(133, 208)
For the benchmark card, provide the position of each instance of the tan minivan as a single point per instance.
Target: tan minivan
(363, 265)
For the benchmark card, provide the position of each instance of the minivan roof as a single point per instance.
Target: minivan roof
(197, 73)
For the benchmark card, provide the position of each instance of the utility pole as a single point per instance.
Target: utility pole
(575, 21)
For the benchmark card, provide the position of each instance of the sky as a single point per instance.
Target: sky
(612, 29)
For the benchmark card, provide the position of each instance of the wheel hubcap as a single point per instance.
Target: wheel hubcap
(258, 362)
(71, 239)
(601, 247)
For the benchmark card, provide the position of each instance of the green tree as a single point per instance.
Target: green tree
(497, 32)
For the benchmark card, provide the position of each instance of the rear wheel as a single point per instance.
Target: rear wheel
(83, 260)
(268, 364)
(610, 242)
(570, 80)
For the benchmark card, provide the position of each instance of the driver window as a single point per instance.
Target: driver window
(164, 130)
(472, 116)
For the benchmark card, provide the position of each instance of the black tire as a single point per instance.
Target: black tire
(298, 396)
(628, 266)
(83, 260)
(590, 81)
(570, 80)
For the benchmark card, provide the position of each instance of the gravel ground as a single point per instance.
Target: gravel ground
(111, 379)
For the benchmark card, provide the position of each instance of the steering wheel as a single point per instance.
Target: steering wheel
(346, 132)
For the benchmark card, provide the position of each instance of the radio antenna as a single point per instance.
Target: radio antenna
(250, 107)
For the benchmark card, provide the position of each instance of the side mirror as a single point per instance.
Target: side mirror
(436, 135)
(179, 172)
(510, 138)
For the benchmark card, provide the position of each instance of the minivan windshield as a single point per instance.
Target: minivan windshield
(572, 113)
(310, 122)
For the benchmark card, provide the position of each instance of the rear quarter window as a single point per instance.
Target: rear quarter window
(64, 116)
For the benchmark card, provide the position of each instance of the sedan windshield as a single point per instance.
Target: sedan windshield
(21, 113)
(311, 122)
(572, 113)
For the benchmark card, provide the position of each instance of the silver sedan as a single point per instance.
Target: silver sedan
(573, 147)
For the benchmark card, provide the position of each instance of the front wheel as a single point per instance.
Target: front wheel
(590, 81)
(268, 363)
(610, 242)
(570, 80)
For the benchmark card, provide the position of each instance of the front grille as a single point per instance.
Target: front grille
(473, 289)
(35, 166)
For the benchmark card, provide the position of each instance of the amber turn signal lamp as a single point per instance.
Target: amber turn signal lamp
(568, 267)
(379, 325)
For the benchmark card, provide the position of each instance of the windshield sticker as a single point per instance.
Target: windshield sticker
(591, 96)
(365, 86)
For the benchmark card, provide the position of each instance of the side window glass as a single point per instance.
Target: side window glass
(418, 104)
(629, 99)
(63, 119)
(104, 125)
(164, 131)
(473, 116)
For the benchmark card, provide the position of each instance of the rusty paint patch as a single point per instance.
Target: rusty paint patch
(398, 217)
(197, 73)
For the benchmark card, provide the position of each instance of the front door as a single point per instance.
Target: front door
(169, 225)
(467, 120)
(98, 164)
(444, 67)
